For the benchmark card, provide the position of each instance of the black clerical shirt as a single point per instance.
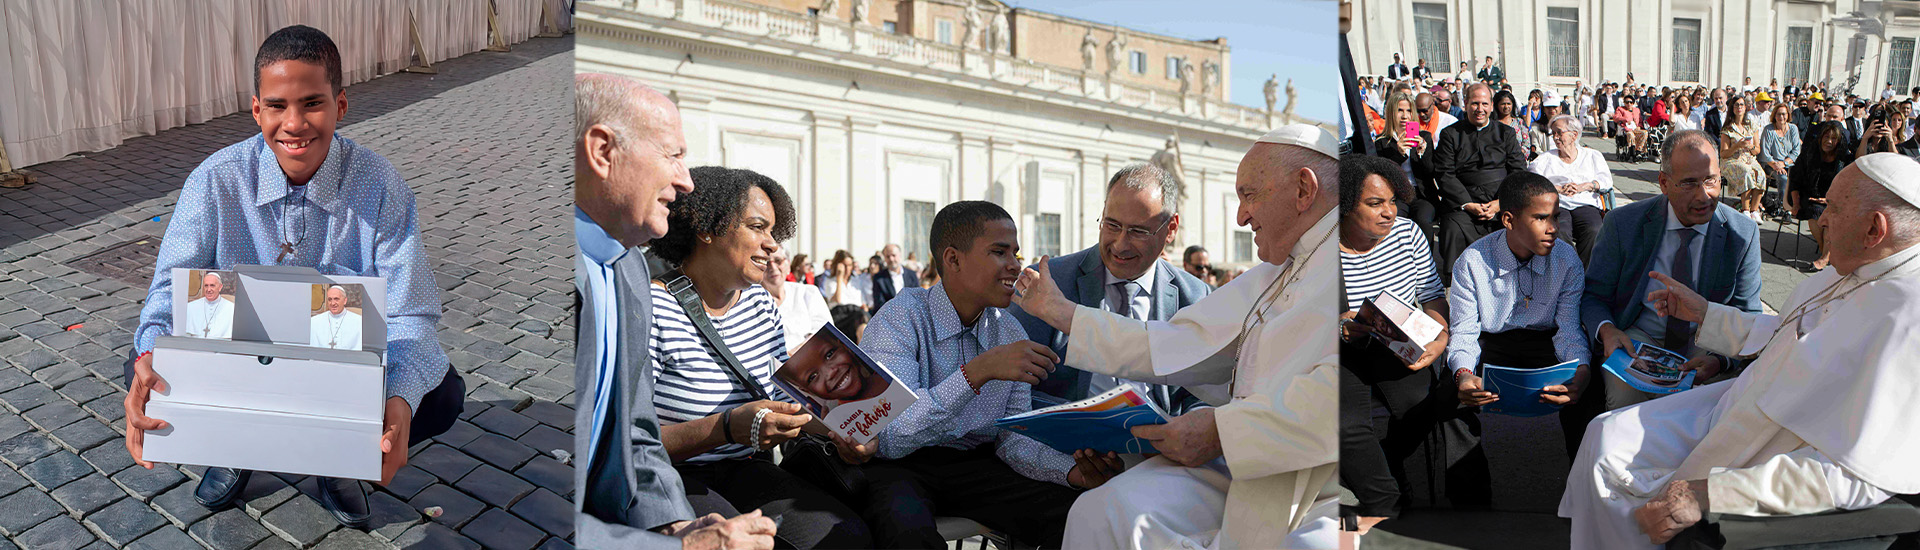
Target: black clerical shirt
(1470, 162)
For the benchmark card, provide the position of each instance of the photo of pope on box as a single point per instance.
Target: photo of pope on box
(843, 387)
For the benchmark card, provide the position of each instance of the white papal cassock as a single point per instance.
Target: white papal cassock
(209, 319)
(1822, 420)
(336, 331)
(1275, 485)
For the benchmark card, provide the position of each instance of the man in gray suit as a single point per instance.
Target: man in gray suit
(1123, 274)
(1685, 233)
(629, 163)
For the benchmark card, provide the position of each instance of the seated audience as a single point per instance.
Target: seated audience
(1584, 180)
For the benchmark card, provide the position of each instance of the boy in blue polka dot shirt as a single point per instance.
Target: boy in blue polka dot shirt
(300, 195)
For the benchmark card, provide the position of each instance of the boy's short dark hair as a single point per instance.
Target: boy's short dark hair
(1519, 189)
(957, 226)
(299, 43)
(848, 318)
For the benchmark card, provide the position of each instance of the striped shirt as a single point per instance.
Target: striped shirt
(691, 383)
(1401, 265)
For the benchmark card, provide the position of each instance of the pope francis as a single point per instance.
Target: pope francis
(1258, 470)
(1820, 421)
(336, 327)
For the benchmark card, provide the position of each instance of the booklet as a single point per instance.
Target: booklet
(1101, 422)
(1650, 369)
(1404, 329)
(1520, 389)
(849, 392)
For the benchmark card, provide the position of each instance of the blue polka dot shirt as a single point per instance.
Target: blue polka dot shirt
(355, 217)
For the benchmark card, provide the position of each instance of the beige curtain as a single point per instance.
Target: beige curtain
(85, 75)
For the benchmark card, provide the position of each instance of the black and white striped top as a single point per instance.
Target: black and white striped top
(690, 382)
(1402, 264)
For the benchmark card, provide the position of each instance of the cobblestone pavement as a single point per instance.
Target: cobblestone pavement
(483, 144)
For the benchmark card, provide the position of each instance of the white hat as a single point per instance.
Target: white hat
(1894, 171)
(1308, 136)
(1552, 99)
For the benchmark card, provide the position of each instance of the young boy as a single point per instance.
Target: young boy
(300, 195)
(970, 362)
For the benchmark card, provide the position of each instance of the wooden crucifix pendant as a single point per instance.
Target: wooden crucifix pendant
(285, 249)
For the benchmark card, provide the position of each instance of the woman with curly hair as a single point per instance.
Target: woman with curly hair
(723, 237)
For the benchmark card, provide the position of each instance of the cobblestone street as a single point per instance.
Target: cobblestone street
(483, 145)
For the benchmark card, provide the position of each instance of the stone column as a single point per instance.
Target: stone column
(696, 121)
(829, 216)
(868, 198)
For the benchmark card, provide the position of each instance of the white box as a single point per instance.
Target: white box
(301, 410)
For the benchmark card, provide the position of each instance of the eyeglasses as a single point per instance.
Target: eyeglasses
(1135, 232)
(1695, 185)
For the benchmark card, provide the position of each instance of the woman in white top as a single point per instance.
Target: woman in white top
(1681, 118)
(802, 310)
(841, 285)
(1582, 175)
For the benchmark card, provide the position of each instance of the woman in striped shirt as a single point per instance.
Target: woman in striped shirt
(1382, 253)
(722, 237)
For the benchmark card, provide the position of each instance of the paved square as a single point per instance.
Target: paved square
(484, 146)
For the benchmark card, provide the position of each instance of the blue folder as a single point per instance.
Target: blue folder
(1520, 389)
(1103, 431)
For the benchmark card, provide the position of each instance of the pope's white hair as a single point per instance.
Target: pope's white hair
(1902, 216)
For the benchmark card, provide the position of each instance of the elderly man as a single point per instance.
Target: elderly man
(629, 162)
(211, 316)
(1262, 349)
(335, 328)
(1684, 233)
(297, 194)
(1470, 160)
(1122, 274)
(1820, 421)
(892, 278)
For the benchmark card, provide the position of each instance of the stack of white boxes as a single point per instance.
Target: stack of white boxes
(266, 400)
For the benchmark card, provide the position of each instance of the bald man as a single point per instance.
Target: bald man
(1256, 471)
(1471, 159)
(1821, 421)
(335, 327)
(629, 162)
(210, 316)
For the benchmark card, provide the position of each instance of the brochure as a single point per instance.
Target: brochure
(838, 383)
(1101, 422)
(1650, 369)
(1520, 389)
(1404, 329)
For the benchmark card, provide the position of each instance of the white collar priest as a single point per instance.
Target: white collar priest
(336, 327)
(1821, 421)
(1258, 470)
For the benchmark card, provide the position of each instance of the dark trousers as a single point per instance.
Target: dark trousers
(438, 408)
(1581, 226)
(1531, 349)
(905, 495)
(1371, 458)
(1458, 230)
(809, 517)
(1422, 212)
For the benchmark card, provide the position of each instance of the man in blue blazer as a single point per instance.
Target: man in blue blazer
(1123, 274)
(1685, 233)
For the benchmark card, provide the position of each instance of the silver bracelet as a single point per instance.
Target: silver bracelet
(759, 416)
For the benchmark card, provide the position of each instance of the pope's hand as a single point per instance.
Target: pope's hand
(393, 441)
(144, 382)
(1676, 300)
(1678, 506)
(749, 531)
(1190, 439)
(1035, 293)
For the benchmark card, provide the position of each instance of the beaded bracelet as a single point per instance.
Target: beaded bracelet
(759, 417)
(963, 376)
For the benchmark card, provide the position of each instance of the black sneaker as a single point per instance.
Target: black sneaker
(219, 487)
(346, 499)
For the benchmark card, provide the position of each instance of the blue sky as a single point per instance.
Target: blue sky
(1292, 38)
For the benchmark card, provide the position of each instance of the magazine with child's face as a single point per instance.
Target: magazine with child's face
(839, 384)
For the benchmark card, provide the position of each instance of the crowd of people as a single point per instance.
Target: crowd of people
(974, 330)
(1492, 219)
